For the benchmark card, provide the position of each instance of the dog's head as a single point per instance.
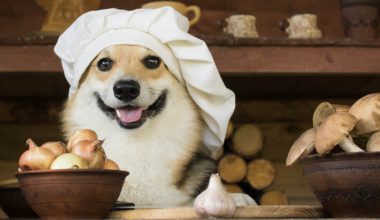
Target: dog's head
(130, 84)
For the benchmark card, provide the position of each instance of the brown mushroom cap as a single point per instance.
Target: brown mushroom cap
(367, 111)
(302, 146)
(321, 112)
(324, 110)
(333, 130)
(341, 108)
(373, 143)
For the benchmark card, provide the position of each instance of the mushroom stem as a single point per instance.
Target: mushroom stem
(349, 146)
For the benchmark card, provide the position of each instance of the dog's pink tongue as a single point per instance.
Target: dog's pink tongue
(128, 115)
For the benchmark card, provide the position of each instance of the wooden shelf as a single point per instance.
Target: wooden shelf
(290, 68)
(244, 57)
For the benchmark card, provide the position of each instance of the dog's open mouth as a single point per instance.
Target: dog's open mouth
(131, 117)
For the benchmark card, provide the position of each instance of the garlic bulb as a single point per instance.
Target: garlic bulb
(215, 201)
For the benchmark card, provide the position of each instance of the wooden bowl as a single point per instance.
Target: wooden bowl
(346, 184)
(71, 194)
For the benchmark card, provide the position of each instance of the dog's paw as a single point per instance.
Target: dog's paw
(242, 199)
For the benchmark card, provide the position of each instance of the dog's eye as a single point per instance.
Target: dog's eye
(151, 62)
(105, 64)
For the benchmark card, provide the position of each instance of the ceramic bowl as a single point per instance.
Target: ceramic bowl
(71, 194)
(346, 184)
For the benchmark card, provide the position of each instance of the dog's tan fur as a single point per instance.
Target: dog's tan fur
(161, 155)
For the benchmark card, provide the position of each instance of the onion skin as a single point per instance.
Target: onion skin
(58, 148)
(69, 161)
(92, 152)
(36, 158)
(110, 165)
(80, 135)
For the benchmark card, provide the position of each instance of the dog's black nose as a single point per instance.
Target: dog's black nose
(126, 90)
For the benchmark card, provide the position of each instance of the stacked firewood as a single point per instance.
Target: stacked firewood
(243, 170)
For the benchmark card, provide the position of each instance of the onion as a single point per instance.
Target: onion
(110, 165)
(69, 161)
(56, 147)
(36, 158)
(91, 151)
(80, 135)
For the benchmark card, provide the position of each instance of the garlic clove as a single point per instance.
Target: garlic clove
(215, 201)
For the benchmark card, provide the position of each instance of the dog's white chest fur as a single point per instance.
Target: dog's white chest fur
(151, 175)
(150, 153)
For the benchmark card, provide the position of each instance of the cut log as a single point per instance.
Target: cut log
(230, 130)
(247, 141)
(232, 168)
(260, 174)
(233, 188)
(274, 198)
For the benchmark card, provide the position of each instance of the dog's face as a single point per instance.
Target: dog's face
(130, 84)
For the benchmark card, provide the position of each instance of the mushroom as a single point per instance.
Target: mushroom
(341, 108)
(336, 130)
(324, 110)
(373, 143)
(301, 147)
(367, 111)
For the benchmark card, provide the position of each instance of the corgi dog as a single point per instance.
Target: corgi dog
(150, 125)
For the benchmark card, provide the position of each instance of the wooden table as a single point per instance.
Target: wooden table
(242, 212)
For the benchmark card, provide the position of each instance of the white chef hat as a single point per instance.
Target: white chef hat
(164, 31)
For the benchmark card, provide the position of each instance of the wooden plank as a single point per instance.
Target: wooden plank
(306, 86)
(242, 212)
(29, 59)
(28, 110)
(246, 86)
(230, 60)
(33, 85)
(280, 110)
(300, 60)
